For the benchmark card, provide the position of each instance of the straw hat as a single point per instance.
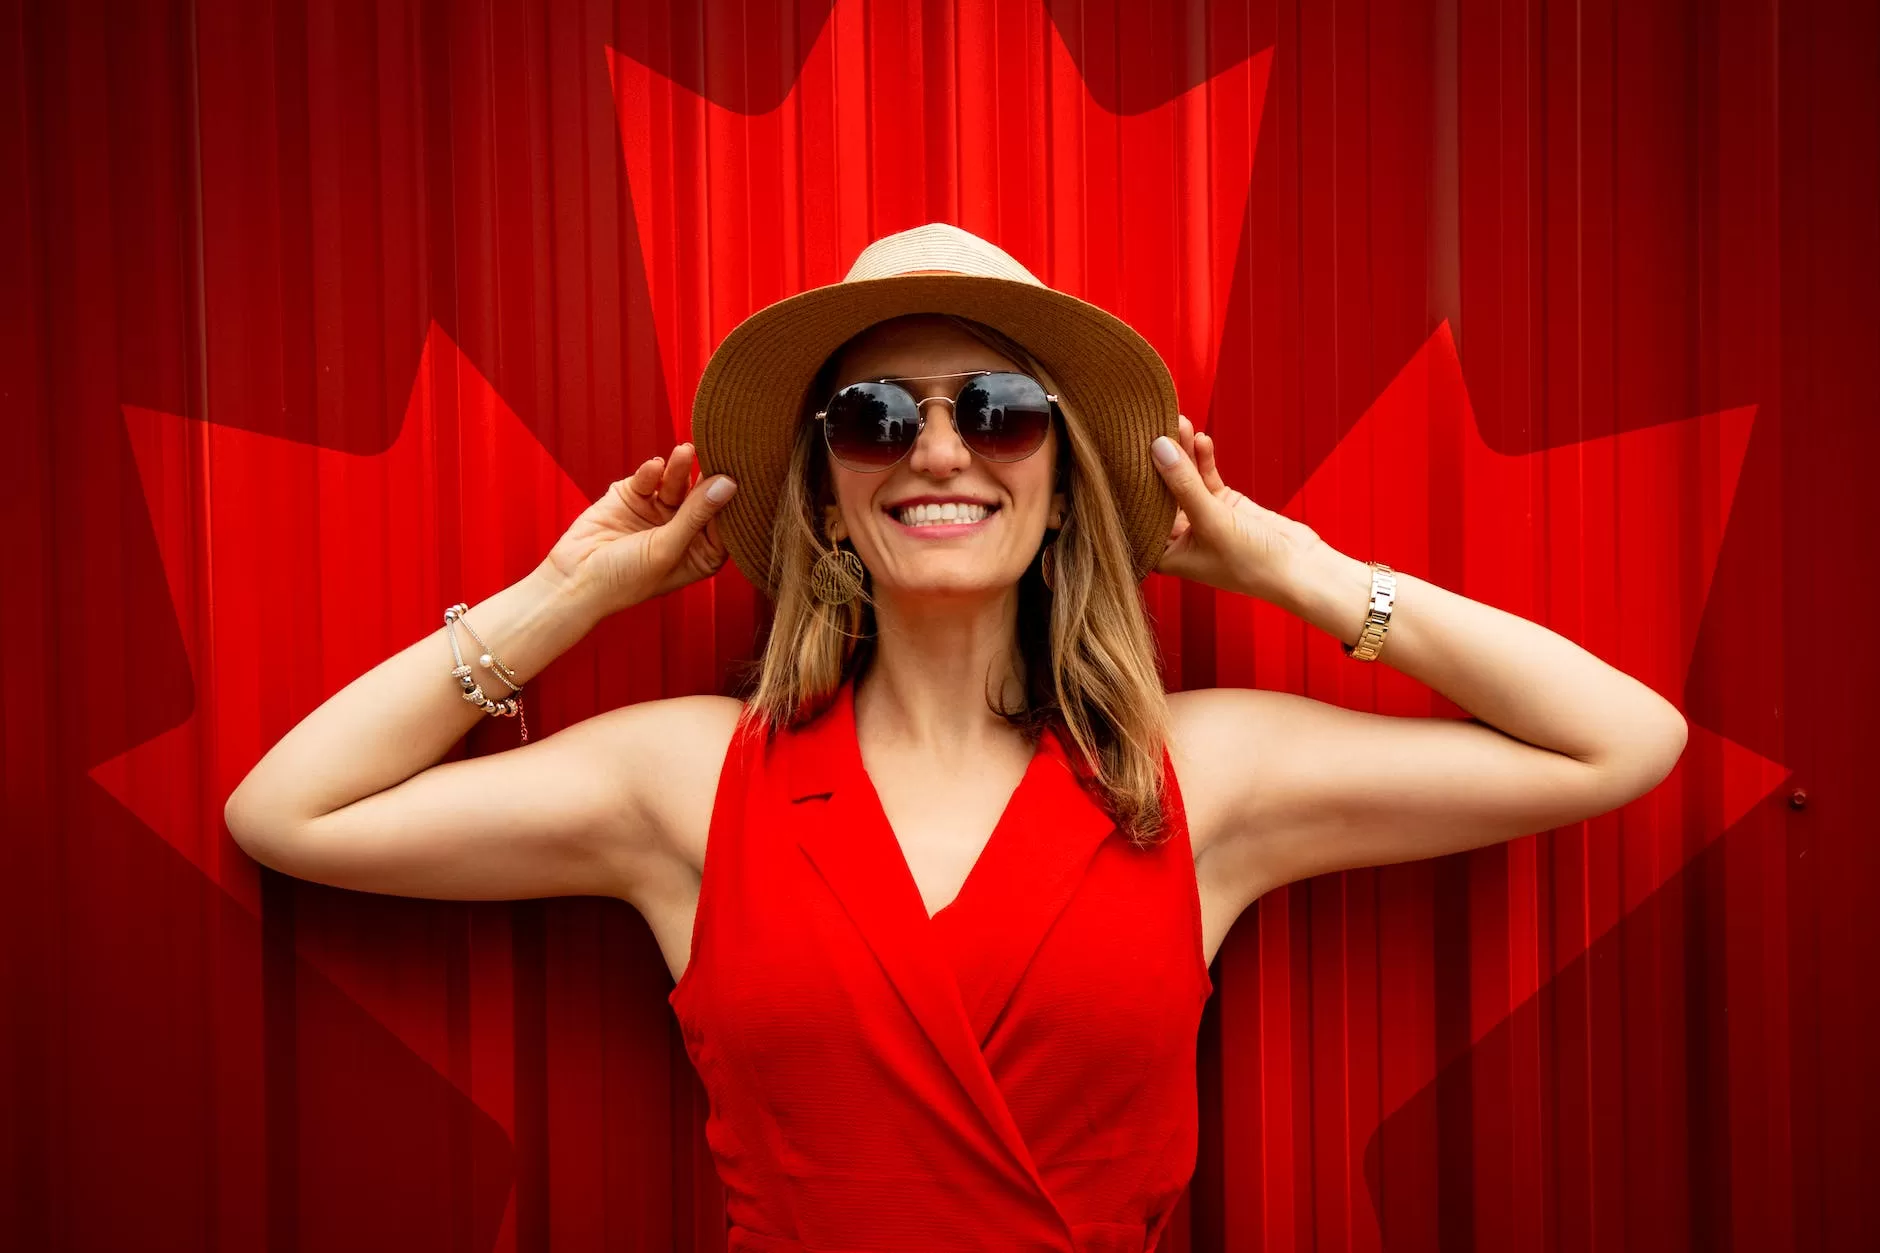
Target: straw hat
(751, 395)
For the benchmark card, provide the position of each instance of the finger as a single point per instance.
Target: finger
(1184, 480)
(1187, 430)
(1210, 470)
(701, 505)
(630, 490)
(678, 477)
(645, 480)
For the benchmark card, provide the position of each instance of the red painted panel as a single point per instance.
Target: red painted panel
(319, 317)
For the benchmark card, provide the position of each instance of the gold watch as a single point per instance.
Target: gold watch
(1377, 621)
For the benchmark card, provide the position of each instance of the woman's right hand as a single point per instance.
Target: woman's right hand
(652, 532)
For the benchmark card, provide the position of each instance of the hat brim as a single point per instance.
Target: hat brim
(751, 395)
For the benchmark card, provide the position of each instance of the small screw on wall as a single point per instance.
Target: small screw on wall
(1798, 799)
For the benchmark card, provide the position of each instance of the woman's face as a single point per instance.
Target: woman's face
(947, 558)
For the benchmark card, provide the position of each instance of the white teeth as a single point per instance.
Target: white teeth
(939, 515)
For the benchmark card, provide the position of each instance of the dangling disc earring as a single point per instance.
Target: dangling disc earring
(836, 578)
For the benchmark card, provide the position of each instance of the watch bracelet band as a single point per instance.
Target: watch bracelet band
(1377, 619)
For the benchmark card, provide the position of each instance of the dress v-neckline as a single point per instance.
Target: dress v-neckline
(977, 871)
(955, 968)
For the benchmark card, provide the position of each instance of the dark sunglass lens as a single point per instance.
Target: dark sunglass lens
(1003, 417)
(870, 426)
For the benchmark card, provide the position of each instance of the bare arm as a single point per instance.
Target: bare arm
(1304, 787)
(356, 794)
(1291, 787)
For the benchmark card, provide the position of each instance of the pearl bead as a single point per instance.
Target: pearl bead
(484, 660)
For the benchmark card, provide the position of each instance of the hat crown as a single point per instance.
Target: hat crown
(937, 246)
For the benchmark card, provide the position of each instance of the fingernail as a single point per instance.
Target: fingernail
(720, 491)
(1165, 451)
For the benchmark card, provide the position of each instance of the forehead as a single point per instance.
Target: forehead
(916, 345)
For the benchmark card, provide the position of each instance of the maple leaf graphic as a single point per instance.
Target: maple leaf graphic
(395, 538)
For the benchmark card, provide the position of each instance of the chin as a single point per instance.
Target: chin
(954, 583)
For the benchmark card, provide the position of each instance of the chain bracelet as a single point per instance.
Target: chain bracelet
(489, 660)
(508, 707)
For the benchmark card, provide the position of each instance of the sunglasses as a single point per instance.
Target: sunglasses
(1001, 416)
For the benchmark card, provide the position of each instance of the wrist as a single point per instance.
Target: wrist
(1330, 590)
(531, 622)
(554, 596)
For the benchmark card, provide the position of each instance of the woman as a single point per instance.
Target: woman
(939, 899)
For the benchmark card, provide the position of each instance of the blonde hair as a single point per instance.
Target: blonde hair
(1089, 657)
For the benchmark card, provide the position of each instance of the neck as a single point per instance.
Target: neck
(936, 662)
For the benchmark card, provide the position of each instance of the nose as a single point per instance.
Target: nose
(939, 452)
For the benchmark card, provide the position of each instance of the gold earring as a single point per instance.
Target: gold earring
(836, 578)
(1045, 563)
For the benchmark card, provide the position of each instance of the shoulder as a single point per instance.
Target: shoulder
(670, 752)
(688, 739)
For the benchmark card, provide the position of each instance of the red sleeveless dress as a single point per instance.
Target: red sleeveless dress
(1015, 1072)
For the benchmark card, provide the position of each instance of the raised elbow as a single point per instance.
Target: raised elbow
(1677, 735)
(1673, 734)
(1652, 754)
(248, 824)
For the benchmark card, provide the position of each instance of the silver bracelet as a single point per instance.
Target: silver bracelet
(510, 706)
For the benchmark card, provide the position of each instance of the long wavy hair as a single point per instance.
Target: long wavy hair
(1090, 663)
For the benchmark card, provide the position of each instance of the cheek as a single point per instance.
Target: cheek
(856, 498)
(852, 494)
(1032, 483)
(846, 494)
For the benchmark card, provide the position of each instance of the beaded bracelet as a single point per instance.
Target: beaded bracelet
(510, 706)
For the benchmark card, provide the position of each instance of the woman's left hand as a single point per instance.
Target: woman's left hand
(1221, 537)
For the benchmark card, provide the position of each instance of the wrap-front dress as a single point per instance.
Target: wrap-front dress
(1015, 1072)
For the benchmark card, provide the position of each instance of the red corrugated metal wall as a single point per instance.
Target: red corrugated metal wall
(319, 317)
